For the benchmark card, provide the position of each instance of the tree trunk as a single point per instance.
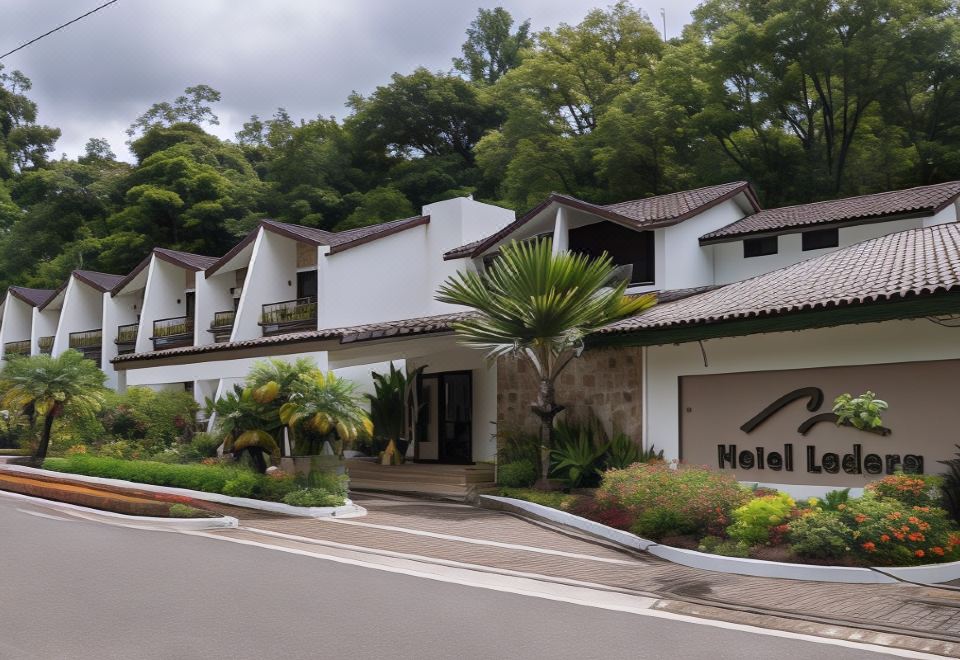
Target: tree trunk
(546, 409)
(41, 452)
(256, 457)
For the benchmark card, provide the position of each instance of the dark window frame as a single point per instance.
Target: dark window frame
(302, 283)
(762, 246)
(820, 239)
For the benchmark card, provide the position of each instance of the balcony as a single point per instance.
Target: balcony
(88, 342)
(13, 348)
(45, 344)
(172, 333)
(222, 326)
(289, 316)
(126, 340)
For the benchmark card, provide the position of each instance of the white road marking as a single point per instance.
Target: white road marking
(43, 515)
(583, 596)
(495, 544)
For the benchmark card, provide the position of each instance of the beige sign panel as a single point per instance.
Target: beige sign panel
(777, 426)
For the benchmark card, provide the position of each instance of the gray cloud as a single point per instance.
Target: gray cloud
(93, 78)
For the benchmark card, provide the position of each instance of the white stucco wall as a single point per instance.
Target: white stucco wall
(44, 325)
(731, 265)
(164, 298)
(17, 321)
(82, 310)
(117, 310)
(272, 277)
(213, 295)
(871, 343)
(681, 262)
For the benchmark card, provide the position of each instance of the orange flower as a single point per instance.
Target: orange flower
(937, 550)
(869, 546)
(860, 517)
(900, 536)
(884, 538)
(919, 553)
(915, 536)
(913, 520)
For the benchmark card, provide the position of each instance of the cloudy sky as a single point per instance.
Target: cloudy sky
(94, 77)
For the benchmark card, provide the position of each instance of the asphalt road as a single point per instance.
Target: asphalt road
(74, 589)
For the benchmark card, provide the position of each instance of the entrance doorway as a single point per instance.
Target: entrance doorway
(445, 424)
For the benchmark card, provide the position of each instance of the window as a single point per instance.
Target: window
(191, 302)
(759, 247)
(307, 284)
(820, 239)
(627, 247)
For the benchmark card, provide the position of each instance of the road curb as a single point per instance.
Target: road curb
(349, 510)
(174, 524)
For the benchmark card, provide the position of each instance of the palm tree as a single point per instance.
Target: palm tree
(248, 422)
(540, 306)
(326, 403)
(273, 378)
(389, 412)
(49, 386)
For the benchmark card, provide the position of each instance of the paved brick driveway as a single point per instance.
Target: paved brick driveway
(501, 541)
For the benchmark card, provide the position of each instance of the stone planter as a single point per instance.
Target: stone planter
(301, 466)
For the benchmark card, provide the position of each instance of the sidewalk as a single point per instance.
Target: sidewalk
(500, 541)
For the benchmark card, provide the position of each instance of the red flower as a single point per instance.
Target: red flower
(869, 546)
(884, 538)
(919, 553)
(937, 550)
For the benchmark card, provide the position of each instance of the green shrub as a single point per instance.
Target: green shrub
(552, 499)
(580, 449)
(243, 484)
(725, 547)
(697, 500)
(206, 478)
(911, 489)
(833, 500)
(515, 447)
(518, 474)
(328, 481)
(313, 497)
(202, 445)
(820, 535)
(186, 511)
(757, 521)
(659, 522)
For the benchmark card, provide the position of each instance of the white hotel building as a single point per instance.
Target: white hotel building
(850, 294)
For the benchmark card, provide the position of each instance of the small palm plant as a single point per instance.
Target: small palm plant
(248, 422)
(326, 403)
(389, 412)
(45, 385)
(540, 306)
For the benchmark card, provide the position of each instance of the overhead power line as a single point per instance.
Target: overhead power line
(59, 27)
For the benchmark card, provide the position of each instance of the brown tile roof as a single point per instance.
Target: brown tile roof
(924, 200)
(188, 260)
(647, 213)
(366, 332)
(917, 262)
(100, 281)
(33, 297)
(337, 241)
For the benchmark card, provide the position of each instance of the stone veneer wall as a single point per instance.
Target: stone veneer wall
(605, 382)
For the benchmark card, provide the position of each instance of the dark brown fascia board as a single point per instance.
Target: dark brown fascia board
(234, 352)
(279, 229)
(89, 282)
(53, 296)
(131, 275)
(829, 224)
(13, 292)
(416, 221)
(587, 207)
(234, 251)
(172, 259)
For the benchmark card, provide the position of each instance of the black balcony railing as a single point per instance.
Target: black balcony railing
(13, 348)
(173, 332)
(88, 342)
(126, 340)
(222, 325)
(45, 344)
(289, 316)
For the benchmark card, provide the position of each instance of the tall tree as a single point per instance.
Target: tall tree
(24, 144)
(492, 47)
(192, 107)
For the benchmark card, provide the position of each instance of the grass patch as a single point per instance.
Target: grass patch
(552, 499)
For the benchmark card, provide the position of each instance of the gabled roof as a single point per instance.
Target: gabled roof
(187, 260)
(647, 213)
(33, 297)
(920, 201)
(337, 241)
(102, 282)
(913, 263)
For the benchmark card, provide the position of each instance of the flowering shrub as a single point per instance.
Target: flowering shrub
(911, 489)
(664, 499)
(886, 531)
(762, 520)
(820, 534)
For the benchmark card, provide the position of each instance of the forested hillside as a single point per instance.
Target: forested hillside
(807, 99)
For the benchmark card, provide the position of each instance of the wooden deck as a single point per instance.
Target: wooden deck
(453, 481)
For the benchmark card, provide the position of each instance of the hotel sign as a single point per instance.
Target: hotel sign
(778, 426)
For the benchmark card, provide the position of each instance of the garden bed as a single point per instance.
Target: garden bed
(692, 513)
